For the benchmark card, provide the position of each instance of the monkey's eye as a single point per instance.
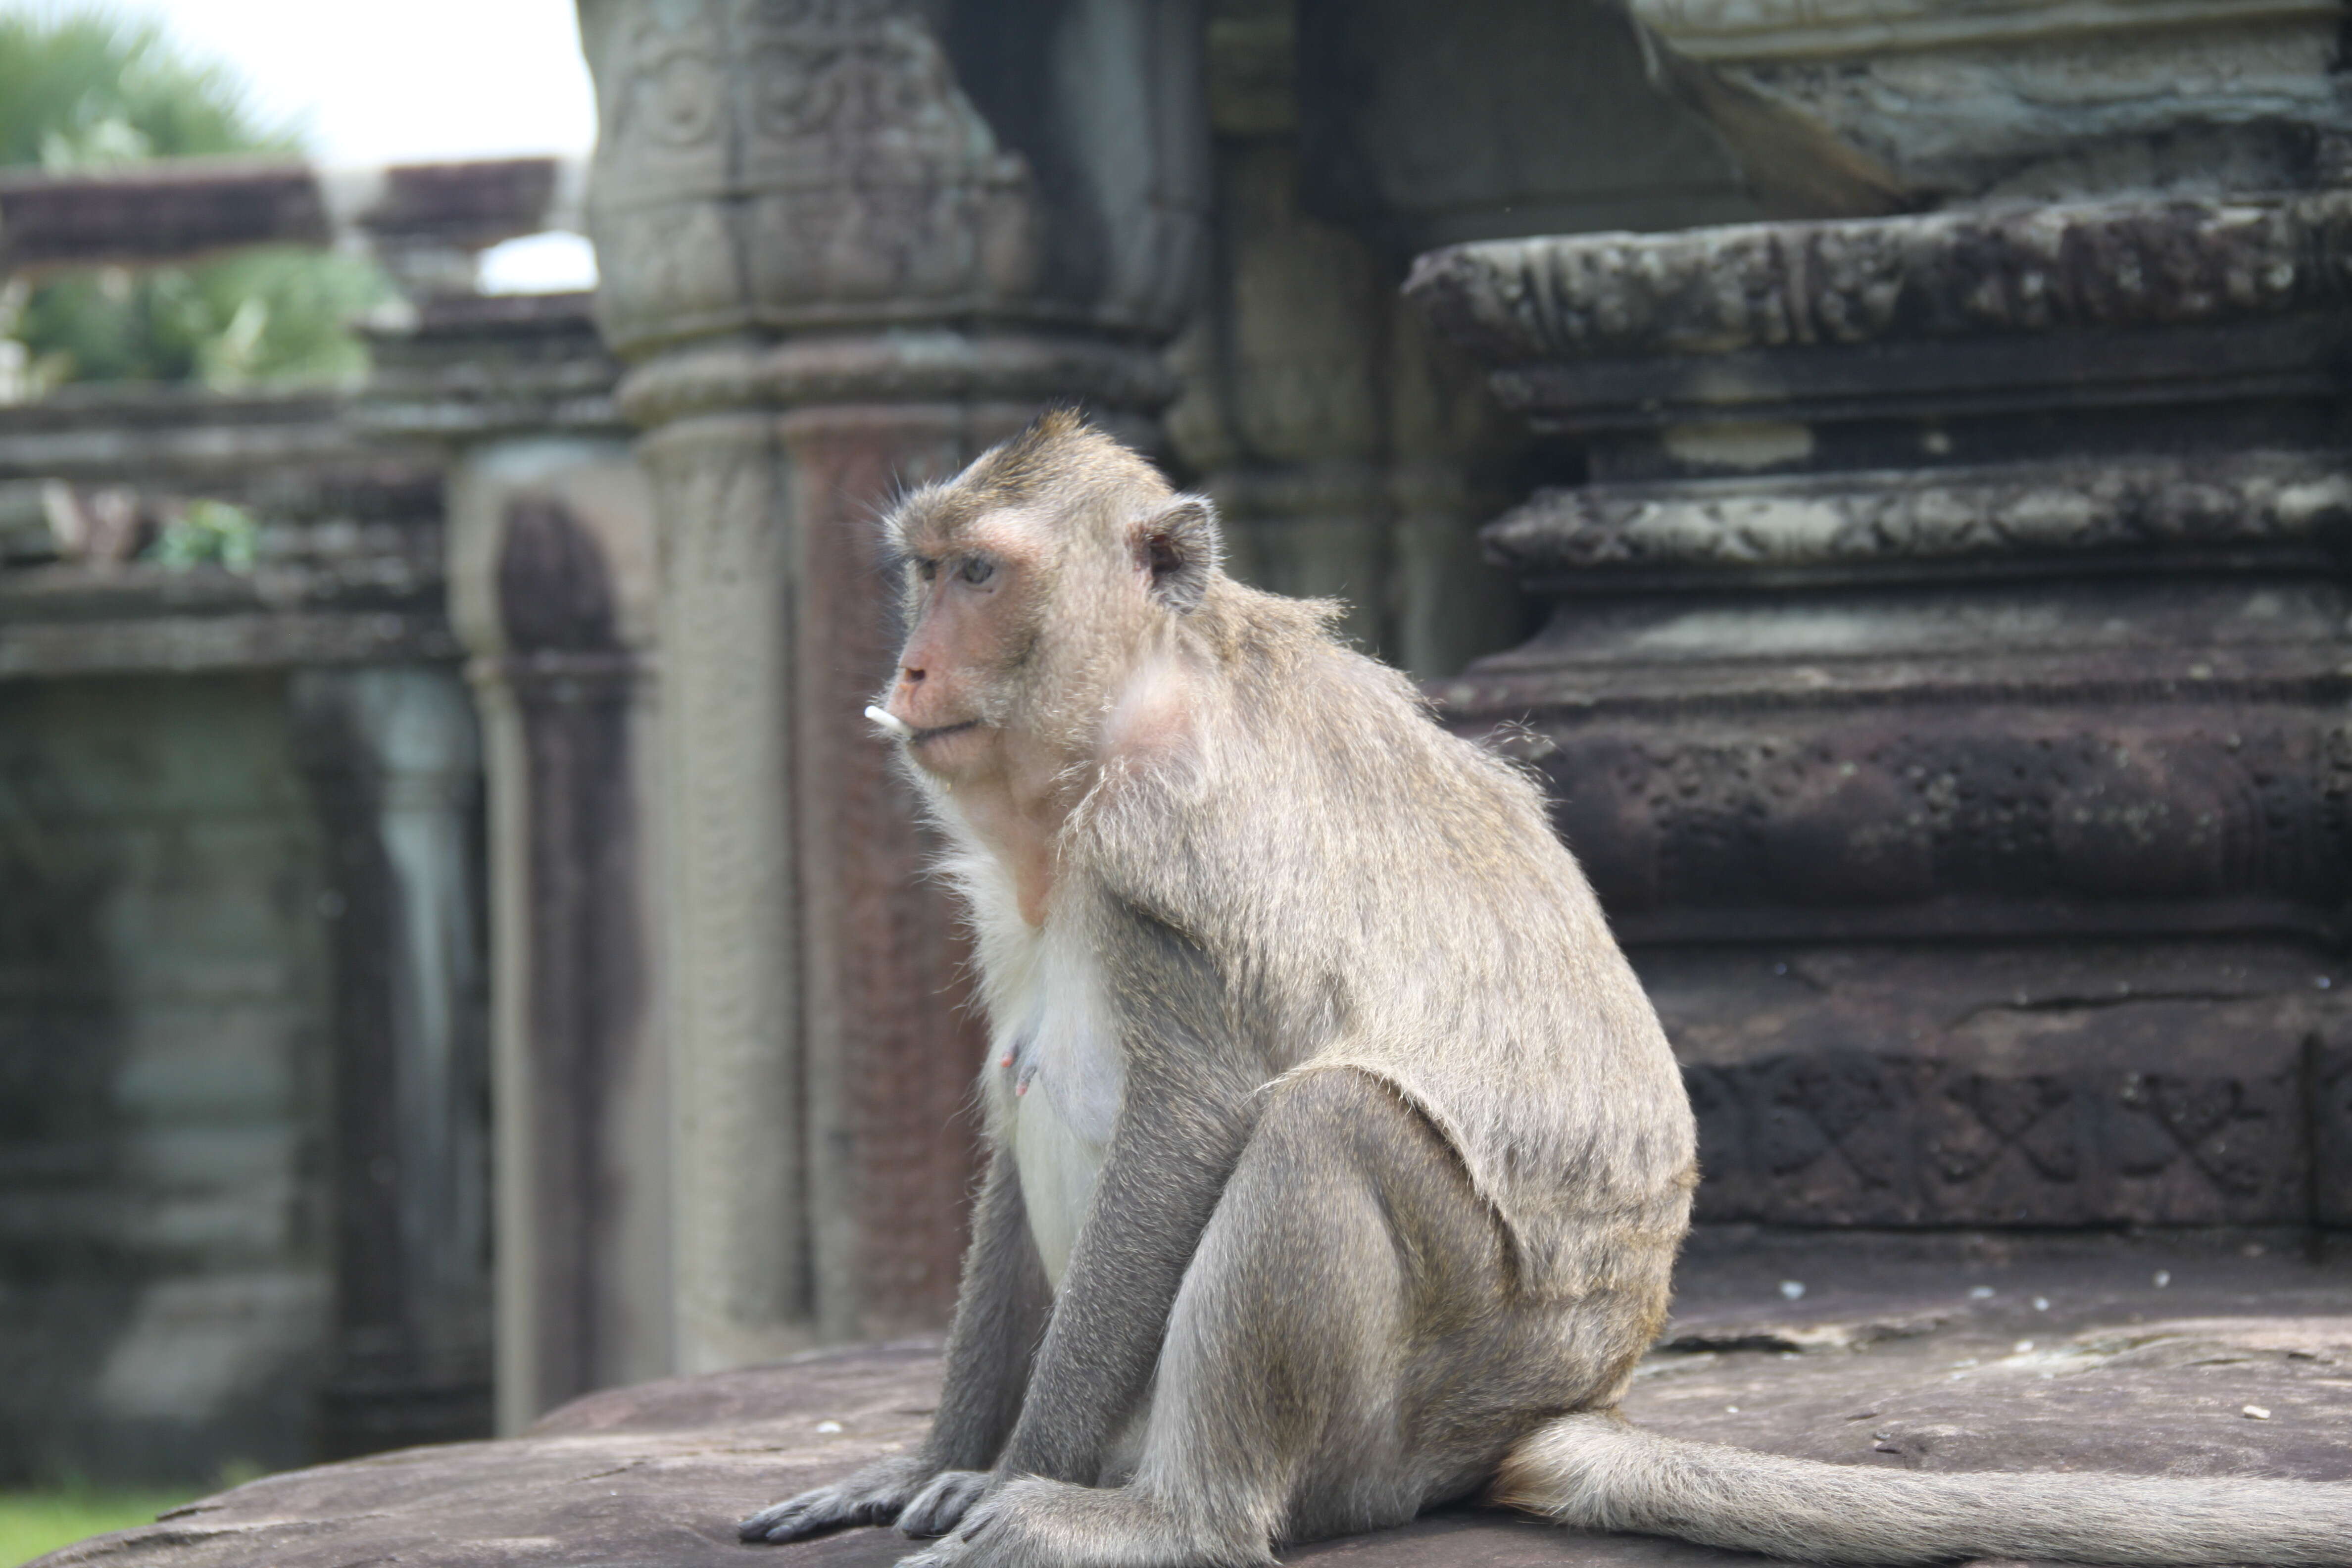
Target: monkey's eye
(926, 568)
(976, 569)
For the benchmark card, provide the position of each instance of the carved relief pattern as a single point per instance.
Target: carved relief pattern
(1906, 808)
(768, 157)
(1859, 1139)
(2137, 505)
(1939, 276)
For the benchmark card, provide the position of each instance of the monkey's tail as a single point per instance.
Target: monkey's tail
(1600, 1471)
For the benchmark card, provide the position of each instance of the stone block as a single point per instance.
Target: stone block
(1958, 1353)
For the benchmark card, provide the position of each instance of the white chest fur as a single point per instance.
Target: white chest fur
(1055, 1074)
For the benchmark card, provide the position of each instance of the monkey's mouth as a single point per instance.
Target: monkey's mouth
(920, 736)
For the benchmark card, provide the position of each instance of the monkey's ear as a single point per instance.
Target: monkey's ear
(1181, 549)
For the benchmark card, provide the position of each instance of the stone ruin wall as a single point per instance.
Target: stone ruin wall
(1852, 585)
(243, 1180)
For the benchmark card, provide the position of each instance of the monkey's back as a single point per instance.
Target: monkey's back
(1382, 895)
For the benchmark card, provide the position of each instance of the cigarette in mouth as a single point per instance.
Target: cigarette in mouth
(889, 722)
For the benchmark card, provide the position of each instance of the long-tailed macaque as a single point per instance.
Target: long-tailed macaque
(1338, 1160)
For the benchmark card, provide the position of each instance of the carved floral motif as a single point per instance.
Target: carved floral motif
(764, 160)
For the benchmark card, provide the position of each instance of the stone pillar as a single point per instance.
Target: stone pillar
(1946, 672)
(394, 763)
(1353, 454)
(553, 591)
(551, 584)
(845, 244)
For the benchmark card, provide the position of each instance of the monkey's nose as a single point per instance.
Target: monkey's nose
(911, 676)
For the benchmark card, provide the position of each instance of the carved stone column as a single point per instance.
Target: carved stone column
(552, 586)
(395, 768)
(847, 244)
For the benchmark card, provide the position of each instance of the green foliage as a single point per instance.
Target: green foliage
(88, 89)
(91, 90)
(215, 532)
(263, 317)
(35, 1523)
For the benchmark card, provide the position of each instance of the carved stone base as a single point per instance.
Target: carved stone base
(1944, 688)
(2172, 1082)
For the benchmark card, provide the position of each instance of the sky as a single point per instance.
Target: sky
(407, 81)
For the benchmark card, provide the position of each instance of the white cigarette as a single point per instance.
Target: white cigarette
(884, 719)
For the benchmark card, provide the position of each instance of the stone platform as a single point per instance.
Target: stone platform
(2214, 1355)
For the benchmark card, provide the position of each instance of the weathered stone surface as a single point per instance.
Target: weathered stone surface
(475, 367)
(1965, 1353)
(161, 947)
(394, 761)
(1489, 118)
(1845, 105)
(1907, 805)
(121, 433)
(179, 209)
(467, 205)
(2148, 508)
(1946, 603)
(348, 543)
(372, 605)
(1965, 273)
(156, 213)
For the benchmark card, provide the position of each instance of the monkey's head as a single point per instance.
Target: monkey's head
(1036, 581)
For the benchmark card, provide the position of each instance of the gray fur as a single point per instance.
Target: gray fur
(1600, 1471)
(1401, 1157)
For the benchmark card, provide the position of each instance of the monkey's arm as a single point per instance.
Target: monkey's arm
(999, 1310)
(1189, 1101)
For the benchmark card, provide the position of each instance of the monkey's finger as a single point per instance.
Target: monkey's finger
(940, 1506)
(755, 1529)
(794, 1518)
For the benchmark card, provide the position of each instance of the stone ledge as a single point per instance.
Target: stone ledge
(71, 620)
(1822, 29)
(1952, 1352)
(917, 364)
(2147, 509)
(1967, 273)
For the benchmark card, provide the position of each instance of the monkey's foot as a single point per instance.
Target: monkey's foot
(1034, 1523)
(875, 1495)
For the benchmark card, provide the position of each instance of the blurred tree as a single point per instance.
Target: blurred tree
(93, 90)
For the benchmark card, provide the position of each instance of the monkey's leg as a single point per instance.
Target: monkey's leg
(1333, 1361)
(1000, 1312)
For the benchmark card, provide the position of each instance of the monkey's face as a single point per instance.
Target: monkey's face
(1038, 581)
(970, 597)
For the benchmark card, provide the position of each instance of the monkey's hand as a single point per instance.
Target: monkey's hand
(875, 1495)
